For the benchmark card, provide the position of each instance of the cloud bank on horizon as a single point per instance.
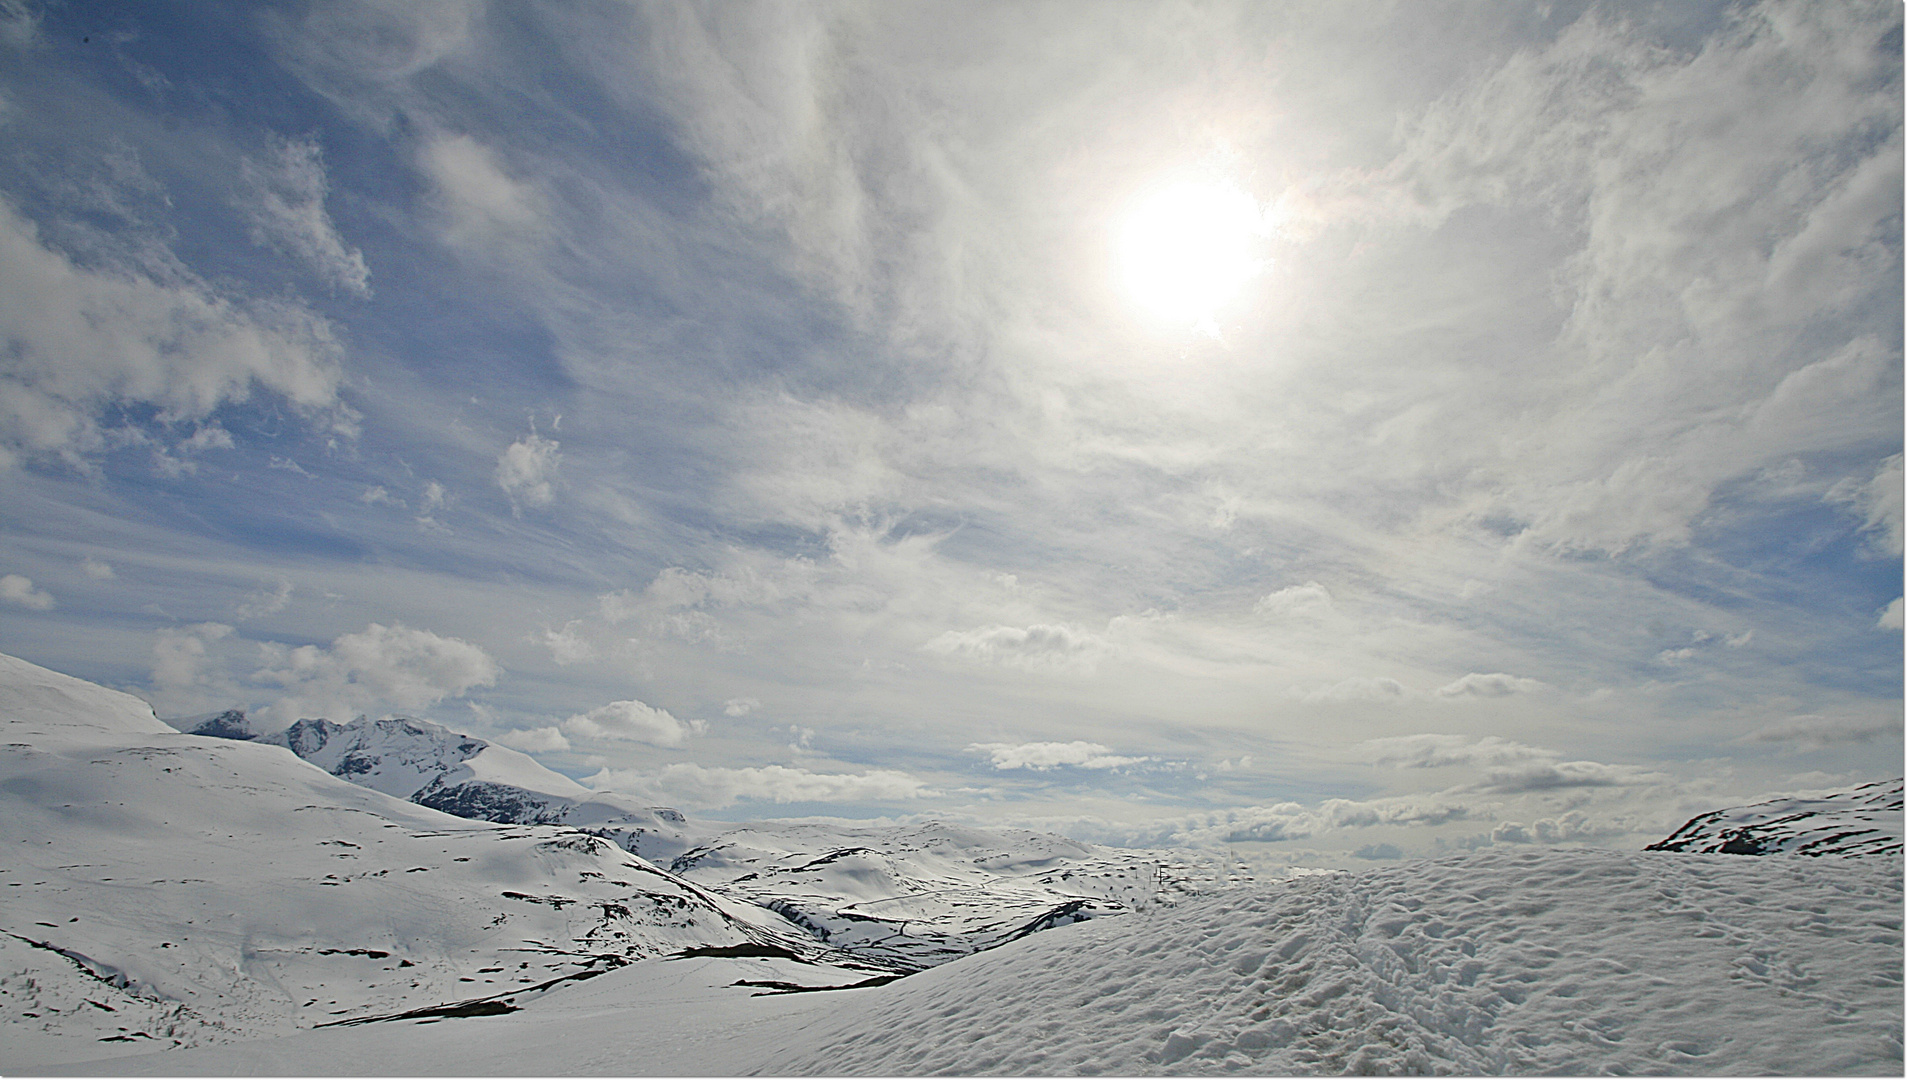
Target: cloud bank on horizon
(1324, 430)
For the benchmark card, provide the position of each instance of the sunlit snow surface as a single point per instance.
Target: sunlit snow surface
(163, 889)
(1573, 962)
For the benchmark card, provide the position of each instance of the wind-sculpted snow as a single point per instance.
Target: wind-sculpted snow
(1865, 821)
(921, 895)
(1576, 962)
(163, 889)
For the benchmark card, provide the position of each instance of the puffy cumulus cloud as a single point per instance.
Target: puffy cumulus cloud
(98, 571)
(1493, 685)
(1045, 756)
(480, 200)
(378, 668)
(569, 645)
(1816, 732)
(180, 658)
(81, 340)
(1378, 851)
(526, 470)
(540, 740)
(1040, 647)
(632, 721)
(1891, 617)
(711, 788)
(1308, 600)
(1575, 827)
(283, 199)
(1877, 502)
(740, 706)
(19, 589)
(1357, 688)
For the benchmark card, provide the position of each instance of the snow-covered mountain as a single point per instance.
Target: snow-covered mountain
(167, 889)
(909, 897)
(428, 764)
(1865, 821)
(921, 895)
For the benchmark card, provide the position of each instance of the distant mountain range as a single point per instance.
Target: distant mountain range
(907, 897)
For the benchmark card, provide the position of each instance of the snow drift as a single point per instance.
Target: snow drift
(1562, 962)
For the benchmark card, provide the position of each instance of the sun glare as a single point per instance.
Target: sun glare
(1188, 249)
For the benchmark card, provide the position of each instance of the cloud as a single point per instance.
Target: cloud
(1287, 821)
(689, 784)
(1817, 732)
(1877, 503)
(179, 658)
(1436, 751)
(541, 740)
(1552, 775)
(18, 589)
(740, 706)
(81, 341)
(568, 646)
(1891, 617)
(1573, 827)
(206, 437)
(632, 721)
(1046, 756)
(97, 570)
(1038, 647)
(1378, 851)
(481, 201)
(1509, 767)
(1296, 601)
(1493, 685)
(283, 199)
(526, 471)
(1358, 688)
(259, 604)
(380, 667)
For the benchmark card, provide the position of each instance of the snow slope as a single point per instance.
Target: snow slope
(1865, 821)
(430, 765)
(1577, 962)
(404, 757)
(920, 895)
(171, 889)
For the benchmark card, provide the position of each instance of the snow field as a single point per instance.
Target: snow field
(1578, 962)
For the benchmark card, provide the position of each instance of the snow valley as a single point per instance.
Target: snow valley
(299, 901)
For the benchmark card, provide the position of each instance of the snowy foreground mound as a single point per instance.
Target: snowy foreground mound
(1564, 962)
(1570, 962)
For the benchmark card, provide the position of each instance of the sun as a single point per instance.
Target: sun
(1188, 248)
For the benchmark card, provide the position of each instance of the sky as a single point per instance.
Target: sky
(1328, 432)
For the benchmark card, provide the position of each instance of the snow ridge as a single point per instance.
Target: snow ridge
(1578, 962)
(1862, 822)
(428, 764)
